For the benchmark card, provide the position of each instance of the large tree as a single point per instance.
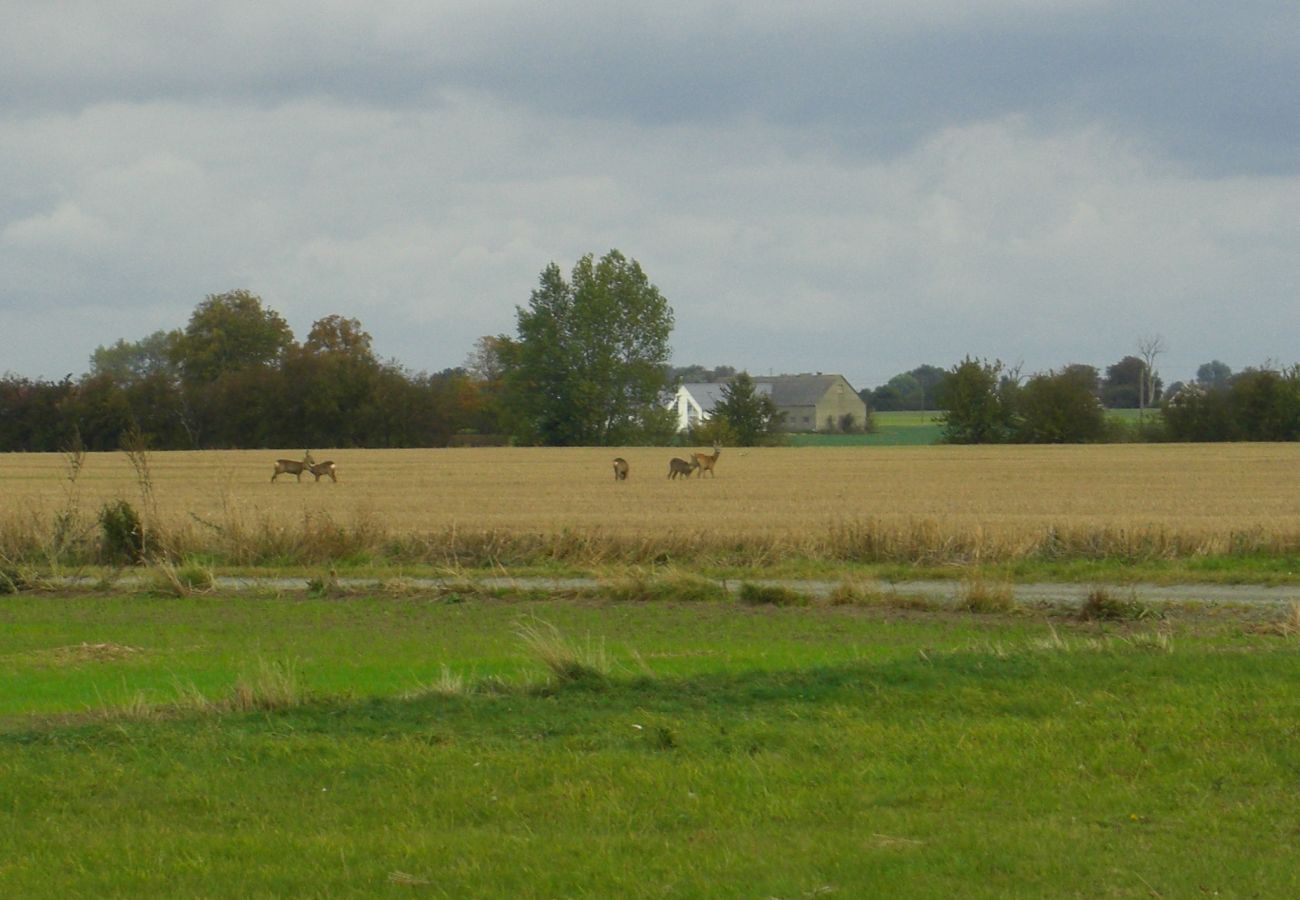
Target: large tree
(588, 367)
(128, 362)
(979, 399)
(1129, 384)
(1061, 408)
(229, 332)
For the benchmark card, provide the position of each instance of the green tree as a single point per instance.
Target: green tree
(128, 362)
(1213, 375)
(979, 403)
(341, 337)
(1266, 404)
(930, 378)
(1128, 382)
(229, 332)
(1061, 408)
(589, 364)
(909, 391)
(750, 416)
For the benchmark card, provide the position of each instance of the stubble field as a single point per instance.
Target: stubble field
(516, 505)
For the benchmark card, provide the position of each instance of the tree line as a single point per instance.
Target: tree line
(984, 402)
(234, 376)
(588, 365)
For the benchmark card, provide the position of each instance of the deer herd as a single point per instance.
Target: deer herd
(698, 463)
(307, 464)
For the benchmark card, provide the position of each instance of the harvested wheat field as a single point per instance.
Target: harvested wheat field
(503, 505)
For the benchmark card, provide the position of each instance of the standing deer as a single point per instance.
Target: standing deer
(293, 466)
(681, 467)
(620, 469)
(705, 462)
(324, 468)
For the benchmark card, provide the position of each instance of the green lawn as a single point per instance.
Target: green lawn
(728, 751)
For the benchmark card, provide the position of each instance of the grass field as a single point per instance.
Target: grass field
(511, 507)
(893, 429)
(286, 746)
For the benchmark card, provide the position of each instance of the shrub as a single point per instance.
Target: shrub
(122, 533)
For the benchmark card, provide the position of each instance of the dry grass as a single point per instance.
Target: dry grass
(504, 506)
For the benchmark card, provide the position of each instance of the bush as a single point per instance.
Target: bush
(122, 534)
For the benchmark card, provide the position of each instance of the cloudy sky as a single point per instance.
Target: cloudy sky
(845, 186)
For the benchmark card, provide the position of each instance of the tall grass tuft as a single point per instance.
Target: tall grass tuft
(980, 596)
(67, 525)
(188, 578)
(1288, 625)
(567, 661)
(273, 686)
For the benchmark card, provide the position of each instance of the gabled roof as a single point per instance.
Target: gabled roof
(799, 390)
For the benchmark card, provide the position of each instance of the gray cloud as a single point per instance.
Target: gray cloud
(850, 188)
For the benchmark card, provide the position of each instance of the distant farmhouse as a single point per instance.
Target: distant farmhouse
(808, 402)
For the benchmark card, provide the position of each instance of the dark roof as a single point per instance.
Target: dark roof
(800, 390)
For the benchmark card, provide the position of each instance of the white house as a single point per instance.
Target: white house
(694, 403)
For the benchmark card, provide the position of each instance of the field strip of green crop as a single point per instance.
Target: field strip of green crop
(462, 744)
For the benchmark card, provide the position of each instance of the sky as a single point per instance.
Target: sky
(842, 186)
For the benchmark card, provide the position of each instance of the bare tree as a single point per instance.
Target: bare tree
(1149, 347)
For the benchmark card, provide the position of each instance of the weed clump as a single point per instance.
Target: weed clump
(771, 595)
(1102, 606)
(12, 580)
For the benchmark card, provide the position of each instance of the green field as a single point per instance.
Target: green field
(905, 429)
(285, 745)
(893, 429)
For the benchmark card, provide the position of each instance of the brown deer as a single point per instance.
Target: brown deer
(620, 469)
(324, 468)
(293, 466)
(681, 467)
(705, 462)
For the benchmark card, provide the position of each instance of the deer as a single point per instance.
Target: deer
(293, 466)
(620, 469)
(324, 468)
(704, 462)
(678, 466)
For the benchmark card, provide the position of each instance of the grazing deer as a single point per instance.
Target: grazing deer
(705, 462)
(620, 469)
(325, 468)
(293, 466)
(681, 467)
